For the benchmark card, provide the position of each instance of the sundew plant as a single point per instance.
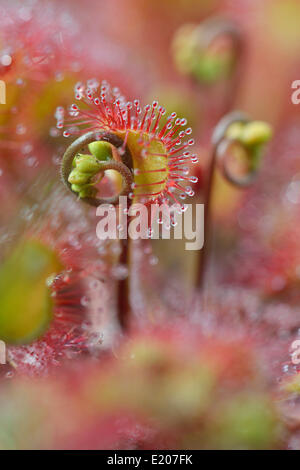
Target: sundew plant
(122, 338)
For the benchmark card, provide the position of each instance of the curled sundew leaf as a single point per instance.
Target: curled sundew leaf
(235, 131)
(208, 51)
(149, 152)
(25, 302)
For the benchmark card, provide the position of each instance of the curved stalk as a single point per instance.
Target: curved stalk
(216, 27)
(125, 168)
(221, 145)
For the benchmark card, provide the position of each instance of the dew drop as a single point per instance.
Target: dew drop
(6, 60)
(27, 148)
(120, 272)
(193, 179)
(183, 208)
(153, 260)
(95, 284)
(20, 129)
(85, 301)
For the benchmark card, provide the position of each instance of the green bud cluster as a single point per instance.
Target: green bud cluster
(86, 167)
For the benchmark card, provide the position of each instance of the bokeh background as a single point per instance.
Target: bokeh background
(180, 378)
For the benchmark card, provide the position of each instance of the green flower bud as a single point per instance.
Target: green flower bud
(256, 132)
(87, 164)
(251, 133)
(76, 188)
(235, 131)
(87, 191)
(83, 176)
(101, 150)
(76, 177)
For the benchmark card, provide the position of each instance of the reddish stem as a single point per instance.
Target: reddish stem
(123, 292)
(218, 157)
(125, 168)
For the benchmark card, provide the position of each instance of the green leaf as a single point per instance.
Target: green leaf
(26, 307)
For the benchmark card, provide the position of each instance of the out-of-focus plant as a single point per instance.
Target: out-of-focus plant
(238, 144)
(172, 386)
(207, 52)
(168, 388)
(198, 390)
(25, 299)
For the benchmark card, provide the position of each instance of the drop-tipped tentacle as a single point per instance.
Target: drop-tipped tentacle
(153, 145)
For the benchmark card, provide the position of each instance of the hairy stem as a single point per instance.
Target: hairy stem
(220, 144)
(214, 28)
(125, 168)
(123, 293)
